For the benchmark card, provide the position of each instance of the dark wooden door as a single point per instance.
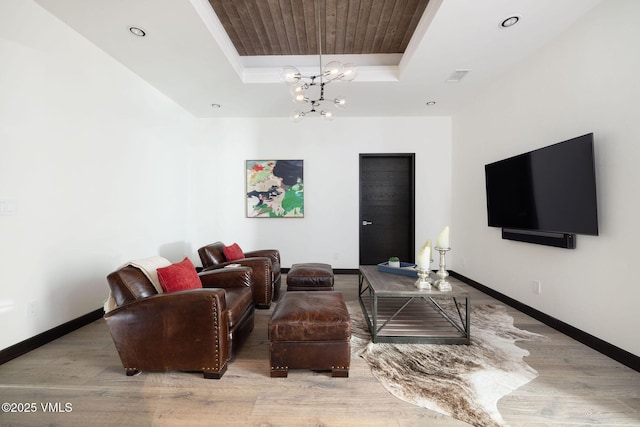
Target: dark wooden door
(387, 207)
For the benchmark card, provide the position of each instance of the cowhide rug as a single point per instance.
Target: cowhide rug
(462, 381)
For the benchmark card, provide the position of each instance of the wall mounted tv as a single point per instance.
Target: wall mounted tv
(545, 196)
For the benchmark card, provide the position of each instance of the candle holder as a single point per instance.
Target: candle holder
(442, 273)
(424, 280)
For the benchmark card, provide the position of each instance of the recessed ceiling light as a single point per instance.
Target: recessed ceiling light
(510, 21)
(137, 31)
(430, 103)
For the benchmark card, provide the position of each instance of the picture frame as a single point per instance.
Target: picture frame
(274, 189)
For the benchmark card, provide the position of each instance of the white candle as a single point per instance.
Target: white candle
(424, 256)
(443, 238)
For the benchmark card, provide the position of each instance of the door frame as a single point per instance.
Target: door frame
(412, 216)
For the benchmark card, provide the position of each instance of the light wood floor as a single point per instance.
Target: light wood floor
(576, 386)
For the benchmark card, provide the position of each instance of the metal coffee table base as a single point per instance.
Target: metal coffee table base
(431, 317)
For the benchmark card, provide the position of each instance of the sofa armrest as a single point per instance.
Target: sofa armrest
(262, 275)
(158, 304)
(273, 254)
(180, 329)
(230, 277)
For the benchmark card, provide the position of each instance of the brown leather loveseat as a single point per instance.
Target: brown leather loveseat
(188, 330)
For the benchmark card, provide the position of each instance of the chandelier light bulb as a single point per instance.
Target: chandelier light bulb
(300, 98)
(340, 102)
(333, 70)
(290, 75)
(296, 116)
(327, 115)
(298, 89)
(349, 72)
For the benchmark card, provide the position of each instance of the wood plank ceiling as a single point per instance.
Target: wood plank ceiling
(290, 27)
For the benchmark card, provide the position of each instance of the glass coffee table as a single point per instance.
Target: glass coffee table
(398, 312)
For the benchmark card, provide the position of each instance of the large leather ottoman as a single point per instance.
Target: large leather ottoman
(310, 330)
(310, 276)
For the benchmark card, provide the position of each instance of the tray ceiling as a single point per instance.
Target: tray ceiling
(290, 27)
(200, 57)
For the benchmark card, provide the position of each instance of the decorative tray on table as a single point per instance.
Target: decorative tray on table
(406, 269)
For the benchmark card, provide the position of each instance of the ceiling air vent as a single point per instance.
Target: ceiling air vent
(457, 75)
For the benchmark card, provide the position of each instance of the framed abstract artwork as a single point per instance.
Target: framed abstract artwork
(274, 189)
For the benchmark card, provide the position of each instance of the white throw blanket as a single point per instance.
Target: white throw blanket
(148, 266)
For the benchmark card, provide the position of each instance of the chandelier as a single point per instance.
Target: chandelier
(309, 90)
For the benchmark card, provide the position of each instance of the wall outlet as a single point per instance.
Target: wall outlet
(536, 287)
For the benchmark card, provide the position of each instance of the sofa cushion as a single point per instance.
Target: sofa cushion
(238, 299)
(310, 276)
(233, 252)
(310, 316)
(179, 276)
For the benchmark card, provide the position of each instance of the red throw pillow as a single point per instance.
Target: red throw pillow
(179, 277)
(233, 252)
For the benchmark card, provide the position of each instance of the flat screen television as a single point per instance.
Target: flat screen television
(551, 189)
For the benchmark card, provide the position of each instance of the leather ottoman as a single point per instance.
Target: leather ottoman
(310, 276)
(310, 330)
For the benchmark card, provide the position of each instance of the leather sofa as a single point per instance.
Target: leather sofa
(265, 264)
(190, 330)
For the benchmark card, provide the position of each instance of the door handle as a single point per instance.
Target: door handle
(366, 222)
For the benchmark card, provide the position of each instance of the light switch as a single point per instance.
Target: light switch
(8, 207)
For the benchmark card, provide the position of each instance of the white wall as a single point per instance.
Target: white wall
(95, 160)
(582, 82)
(329, 231)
